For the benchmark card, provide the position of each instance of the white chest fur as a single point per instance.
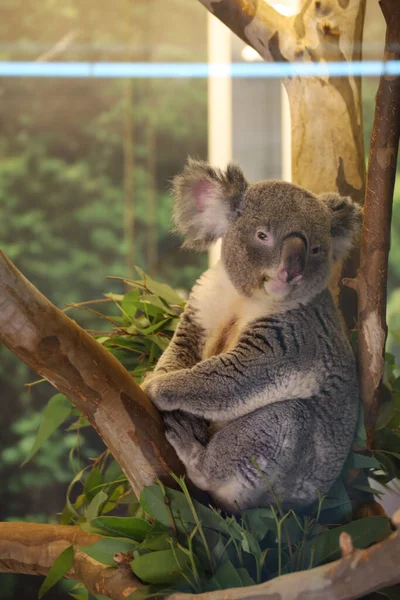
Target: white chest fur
(223, 312)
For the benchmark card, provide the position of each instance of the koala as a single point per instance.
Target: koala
(259, 369)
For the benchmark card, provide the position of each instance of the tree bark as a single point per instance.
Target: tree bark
(371, 282)
(129, 177)
(75, 364)
(327, 134)
(32, 548)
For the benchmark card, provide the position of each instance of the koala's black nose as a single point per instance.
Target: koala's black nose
(293, 258)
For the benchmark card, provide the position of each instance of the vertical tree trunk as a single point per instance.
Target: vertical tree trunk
(151, 151)
(371, 282)
(129, 179)
(151, 188)
(326, 112)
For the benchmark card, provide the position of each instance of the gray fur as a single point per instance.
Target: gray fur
(284, 392)
(226, 191)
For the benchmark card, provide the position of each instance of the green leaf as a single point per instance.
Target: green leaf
(386, 412)
(128, 527)
(102, 339)
(161, 290)
(153, 502)
(80, 423)
(155, 307)
(362, 461)
(80, 595)
(172, 324)
(245, 577)
(389, 376)
(337, 505)
(113, 472)
(219, 551)
(226, 577)
(94, 479)
(94, 507)
(165, 566)
(79, 592)
(364, 532)
(156, 541)
(396, 385)
(61, 566)
(259, 521)
(69, 506)
(160, 340)
(395, 454)
(369, 489)
(360, 436)
(250, 544)
(104, 550)
(389, 467)
(152, 591)
(56, 412)
(130, 302)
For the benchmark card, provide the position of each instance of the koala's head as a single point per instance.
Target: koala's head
(277, 238)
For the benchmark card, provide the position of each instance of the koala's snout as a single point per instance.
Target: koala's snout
(293, 258)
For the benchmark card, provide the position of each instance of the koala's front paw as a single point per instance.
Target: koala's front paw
(161, 393)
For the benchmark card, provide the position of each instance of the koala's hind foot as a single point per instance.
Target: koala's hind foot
(187, 433)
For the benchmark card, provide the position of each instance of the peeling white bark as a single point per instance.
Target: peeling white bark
(375, 337)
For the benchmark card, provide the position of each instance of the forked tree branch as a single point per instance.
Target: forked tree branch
(255, 22)
(78, 366)
(32, 548)
(371, 282)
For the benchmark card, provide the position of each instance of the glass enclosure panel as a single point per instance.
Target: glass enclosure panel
(100, 104)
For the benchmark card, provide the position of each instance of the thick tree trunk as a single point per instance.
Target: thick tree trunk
(327, 134)
(75, 364)
(371, 282)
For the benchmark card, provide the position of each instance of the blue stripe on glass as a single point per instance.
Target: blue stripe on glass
(195, 70)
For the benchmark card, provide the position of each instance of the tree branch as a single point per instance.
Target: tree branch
(255, 22)
(75, 364)
(32, 548)
(58, 48)
(372, 277)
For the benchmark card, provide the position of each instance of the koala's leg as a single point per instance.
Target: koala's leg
(292, 442)
(189, 435)
(213, 464)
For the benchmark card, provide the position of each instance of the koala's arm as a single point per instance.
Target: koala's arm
(255, 373)
(184, 350)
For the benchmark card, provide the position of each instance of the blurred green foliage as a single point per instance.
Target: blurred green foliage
(62, 196)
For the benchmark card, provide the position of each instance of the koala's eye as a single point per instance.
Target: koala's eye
(263, 236)
(315, 250)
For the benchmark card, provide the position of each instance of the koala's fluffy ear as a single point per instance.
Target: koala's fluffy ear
(345, 224)
(207, 200)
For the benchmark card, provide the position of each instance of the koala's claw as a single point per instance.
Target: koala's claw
(186, 428)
